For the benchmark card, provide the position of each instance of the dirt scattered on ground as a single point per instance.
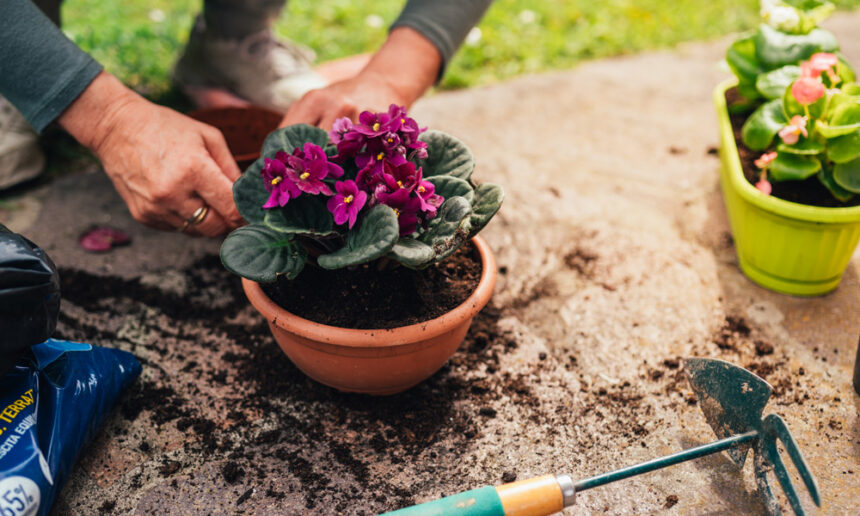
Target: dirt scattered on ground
(671, 501)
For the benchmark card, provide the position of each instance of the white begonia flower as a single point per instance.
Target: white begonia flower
(784, 18)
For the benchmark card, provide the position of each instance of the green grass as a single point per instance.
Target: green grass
(139, 41)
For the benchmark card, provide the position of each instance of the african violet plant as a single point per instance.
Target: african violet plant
(380, 189)
(808, 117)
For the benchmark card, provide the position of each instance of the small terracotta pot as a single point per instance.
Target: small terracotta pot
(244, 128)
(377, 362)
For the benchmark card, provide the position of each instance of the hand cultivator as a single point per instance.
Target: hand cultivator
(733, 400)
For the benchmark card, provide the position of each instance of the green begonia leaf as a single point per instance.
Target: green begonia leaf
(847, 175)
(851, 89)
(772, 84)
(775, 49)
(450, 186)
(488, 200)
(374, 236)
(249, 193)
(305, 215)
(844, 70)
(805, 148)
(765, 122)
(742, 60)
(826, 178)
(288, 138)
(791, 107)
(446, 155)
(844, 148)
(262, 254)
(843, 119)
(450, 229)
(412, 253)
(792, 167)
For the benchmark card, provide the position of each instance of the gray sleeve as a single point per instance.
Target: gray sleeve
(444, 22)
(41, 71)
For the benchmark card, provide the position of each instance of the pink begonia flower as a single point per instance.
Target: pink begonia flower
(764, 186)
(807, 90)
(765, 160)
(791, 133)
(819, 63)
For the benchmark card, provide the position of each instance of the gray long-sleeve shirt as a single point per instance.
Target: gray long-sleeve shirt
(42, 72)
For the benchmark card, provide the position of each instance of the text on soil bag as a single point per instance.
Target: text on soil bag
(9, 413)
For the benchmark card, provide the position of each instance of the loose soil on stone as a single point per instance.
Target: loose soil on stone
(365, 297)
(809, 191)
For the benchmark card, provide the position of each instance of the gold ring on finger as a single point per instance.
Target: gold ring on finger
(195, 218)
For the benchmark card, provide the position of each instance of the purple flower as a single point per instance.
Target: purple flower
(372, 124)
(281, 189)
(402, 176)
(406, 208)
(339, 129)
(101, 239)
(347, 202)
(307, 168)
(429, 200)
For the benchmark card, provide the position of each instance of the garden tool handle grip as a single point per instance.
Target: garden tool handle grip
(538, 496)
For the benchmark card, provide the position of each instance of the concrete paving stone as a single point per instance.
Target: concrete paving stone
(616, 258)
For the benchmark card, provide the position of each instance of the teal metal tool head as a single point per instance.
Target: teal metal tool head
(733, 400)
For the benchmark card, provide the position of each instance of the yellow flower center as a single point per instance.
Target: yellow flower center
(397, 212)
(305, 176)
(348, 199)
(402, 120)
(376, 126)
(390, 140)
(400, 184)
(277, 180)
(421, 189)
(380, 156)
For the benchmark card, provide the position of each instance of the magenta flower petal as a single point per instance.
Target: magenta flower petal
(346, 203)
(101, 239)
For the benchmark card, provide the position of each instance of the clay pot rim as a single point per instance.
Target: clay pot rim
(380, 338)
(201, 114)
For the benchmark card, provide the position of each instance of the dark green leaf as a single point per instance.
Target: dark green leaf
(792, 167)
(450, 229)
(488, 200)
(374, 236)
(305, 215)
(806, 148)
(288, 138)
(446, 155)
(847, 175)
(249, 193)
(844, 148)
(763, 124)
(772, 84)
(775, 49)
(412, 253)
(450, 186)
(262, 254)
(742, 60)
(826, 178)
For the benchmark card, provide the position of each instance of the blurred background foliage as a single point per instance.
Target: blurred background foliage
(139, 40)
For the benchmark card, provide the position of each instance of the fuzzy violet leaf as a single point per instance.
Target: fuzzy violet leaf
(446, 155)
(291, 137)
(450, 229)
(262, 254)
(847, 175)
(249, 193)
(374, 236)
(450, 186)
(761, 127)
(488, 200)
(412, 253)
(305, 215)
(790, 167)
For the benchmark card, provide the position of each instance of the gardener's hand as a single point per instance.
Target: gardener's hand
(163, 164)
(399, 73)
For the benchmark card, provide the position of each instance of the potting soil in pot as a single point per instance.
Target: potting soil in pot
(367, 298)
(809, 191)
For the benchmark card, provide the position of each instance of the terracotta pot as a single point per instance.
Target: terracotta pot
(244, 128)
(374, 361)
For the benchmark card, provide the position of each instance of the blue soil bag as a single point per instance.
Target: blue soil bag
(52, 402)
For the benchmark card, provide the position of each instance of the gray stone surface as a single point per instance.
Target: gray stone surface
(616, 260)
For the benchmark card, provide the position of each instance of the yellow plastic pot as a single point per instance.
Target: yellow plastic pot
(783, 246)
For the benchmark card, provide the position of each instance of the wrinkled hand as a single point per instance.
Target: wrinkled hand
(346, 98)
(163, 164)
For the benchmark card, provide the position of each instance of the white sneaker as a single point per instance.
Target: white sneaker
(258, 68)
(21, 159)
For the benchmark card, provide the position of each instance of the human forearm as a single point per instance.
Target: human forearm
(91, 117)
(408, 61)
